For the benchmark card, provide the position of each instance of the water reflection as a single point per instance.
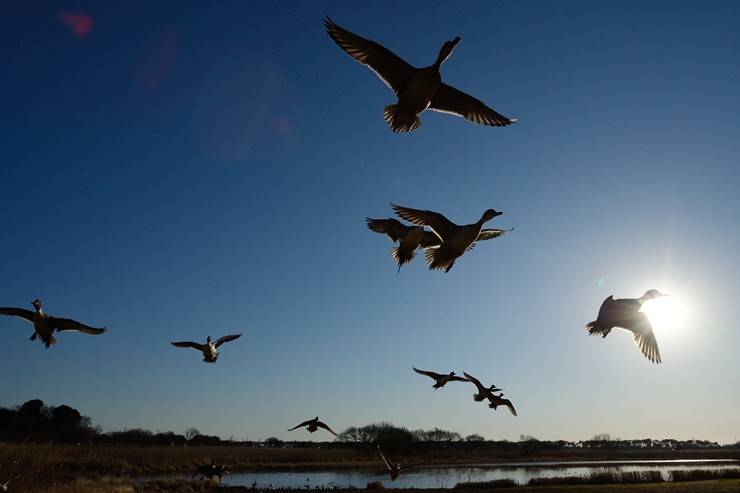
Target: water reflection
(449, 476)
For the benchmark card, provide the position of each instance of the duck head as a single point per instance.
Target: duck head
(446, 50)
(36, 304)
(651, 294)
(490, 214)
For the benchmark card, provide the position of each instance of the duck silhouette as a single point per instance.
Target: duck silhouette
(45, 325)
(440, 379)
(312, 425)
(455, 239)
(418, 89)
(625, 314)
(209, 349)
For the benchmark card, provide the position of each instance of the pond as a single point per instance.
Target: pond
(447, 476)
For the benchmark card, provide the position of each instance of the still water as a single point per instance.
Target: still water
(439, 476)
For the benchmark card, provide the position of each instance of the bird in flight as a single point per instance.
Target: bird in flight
(418, 89)
(625, 314)
(394, 469)
(440, 379)
(455, 239)
(313, 425)
(45, 325)
(209, 349)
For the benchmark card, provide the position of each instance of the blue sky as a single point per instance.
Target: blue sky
(207, 170)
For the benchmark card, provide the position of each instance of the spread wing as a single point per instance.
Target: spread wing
(431, 374)
(391, 68)
(388, 463)
(66, 324)
(640, 326)
(436, 221)
(487, 234)
(477, 383)
(226, 339)
(450, 100)
(18, 312)
(394, 229)
(193, 345)
(305, 423)
(323, 425)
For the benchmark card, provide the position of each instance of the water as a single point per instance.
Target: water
(440, 476)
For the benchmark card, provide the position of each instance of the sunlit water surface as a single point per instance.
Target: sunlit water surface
(440, 476)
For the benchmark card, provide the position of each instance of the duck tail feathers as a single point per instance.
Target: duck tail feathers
(401, 258)
(399, 122)
(595, 329)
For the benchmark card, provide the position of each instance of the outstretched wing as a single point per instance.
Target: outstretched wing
(305, 423)
(323, 425)
(66, 324)
(430, 374)
(193, 345)
(640, 326)
(436, 221)
(487, 234)
(226, 339)
(18, 312)
(450, 100)
(477, 383)
(387, 463)
(394, 229)
(391, 68)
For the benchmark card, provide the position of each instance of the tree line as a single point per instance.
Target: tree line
(36, 422)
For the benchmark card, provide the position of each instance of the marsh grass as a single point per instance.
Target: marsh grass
(484, 485)
(602, 478)
(704, 474)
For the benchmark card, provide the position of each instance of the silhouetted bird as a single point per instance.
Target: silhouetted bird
(210, 470)
(409, 237)
(394, 469)
(456, 240)
(625, 314)
(440, 379)
(417, 89)
(498, 400)
(483, 392)
(210, 355)
(45, 324)
(313, 425)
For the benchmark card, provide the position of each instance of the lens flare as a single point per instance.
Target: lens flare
(79, 23)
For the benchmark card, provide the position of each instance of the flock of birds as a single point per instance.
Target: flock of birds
(417, 89)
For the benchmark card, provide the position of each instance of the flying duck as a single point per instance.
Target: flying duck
(210, 355)
(440, 379)
(45, 324)
(393, 469)
(625, 314)
(483, 392)
(498, 400)
(211, 470)
(455, 240)
(409, 237)
(313, 425)
(418, 89)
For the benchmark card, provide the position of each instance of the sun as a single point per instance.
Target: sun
(666, 313)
